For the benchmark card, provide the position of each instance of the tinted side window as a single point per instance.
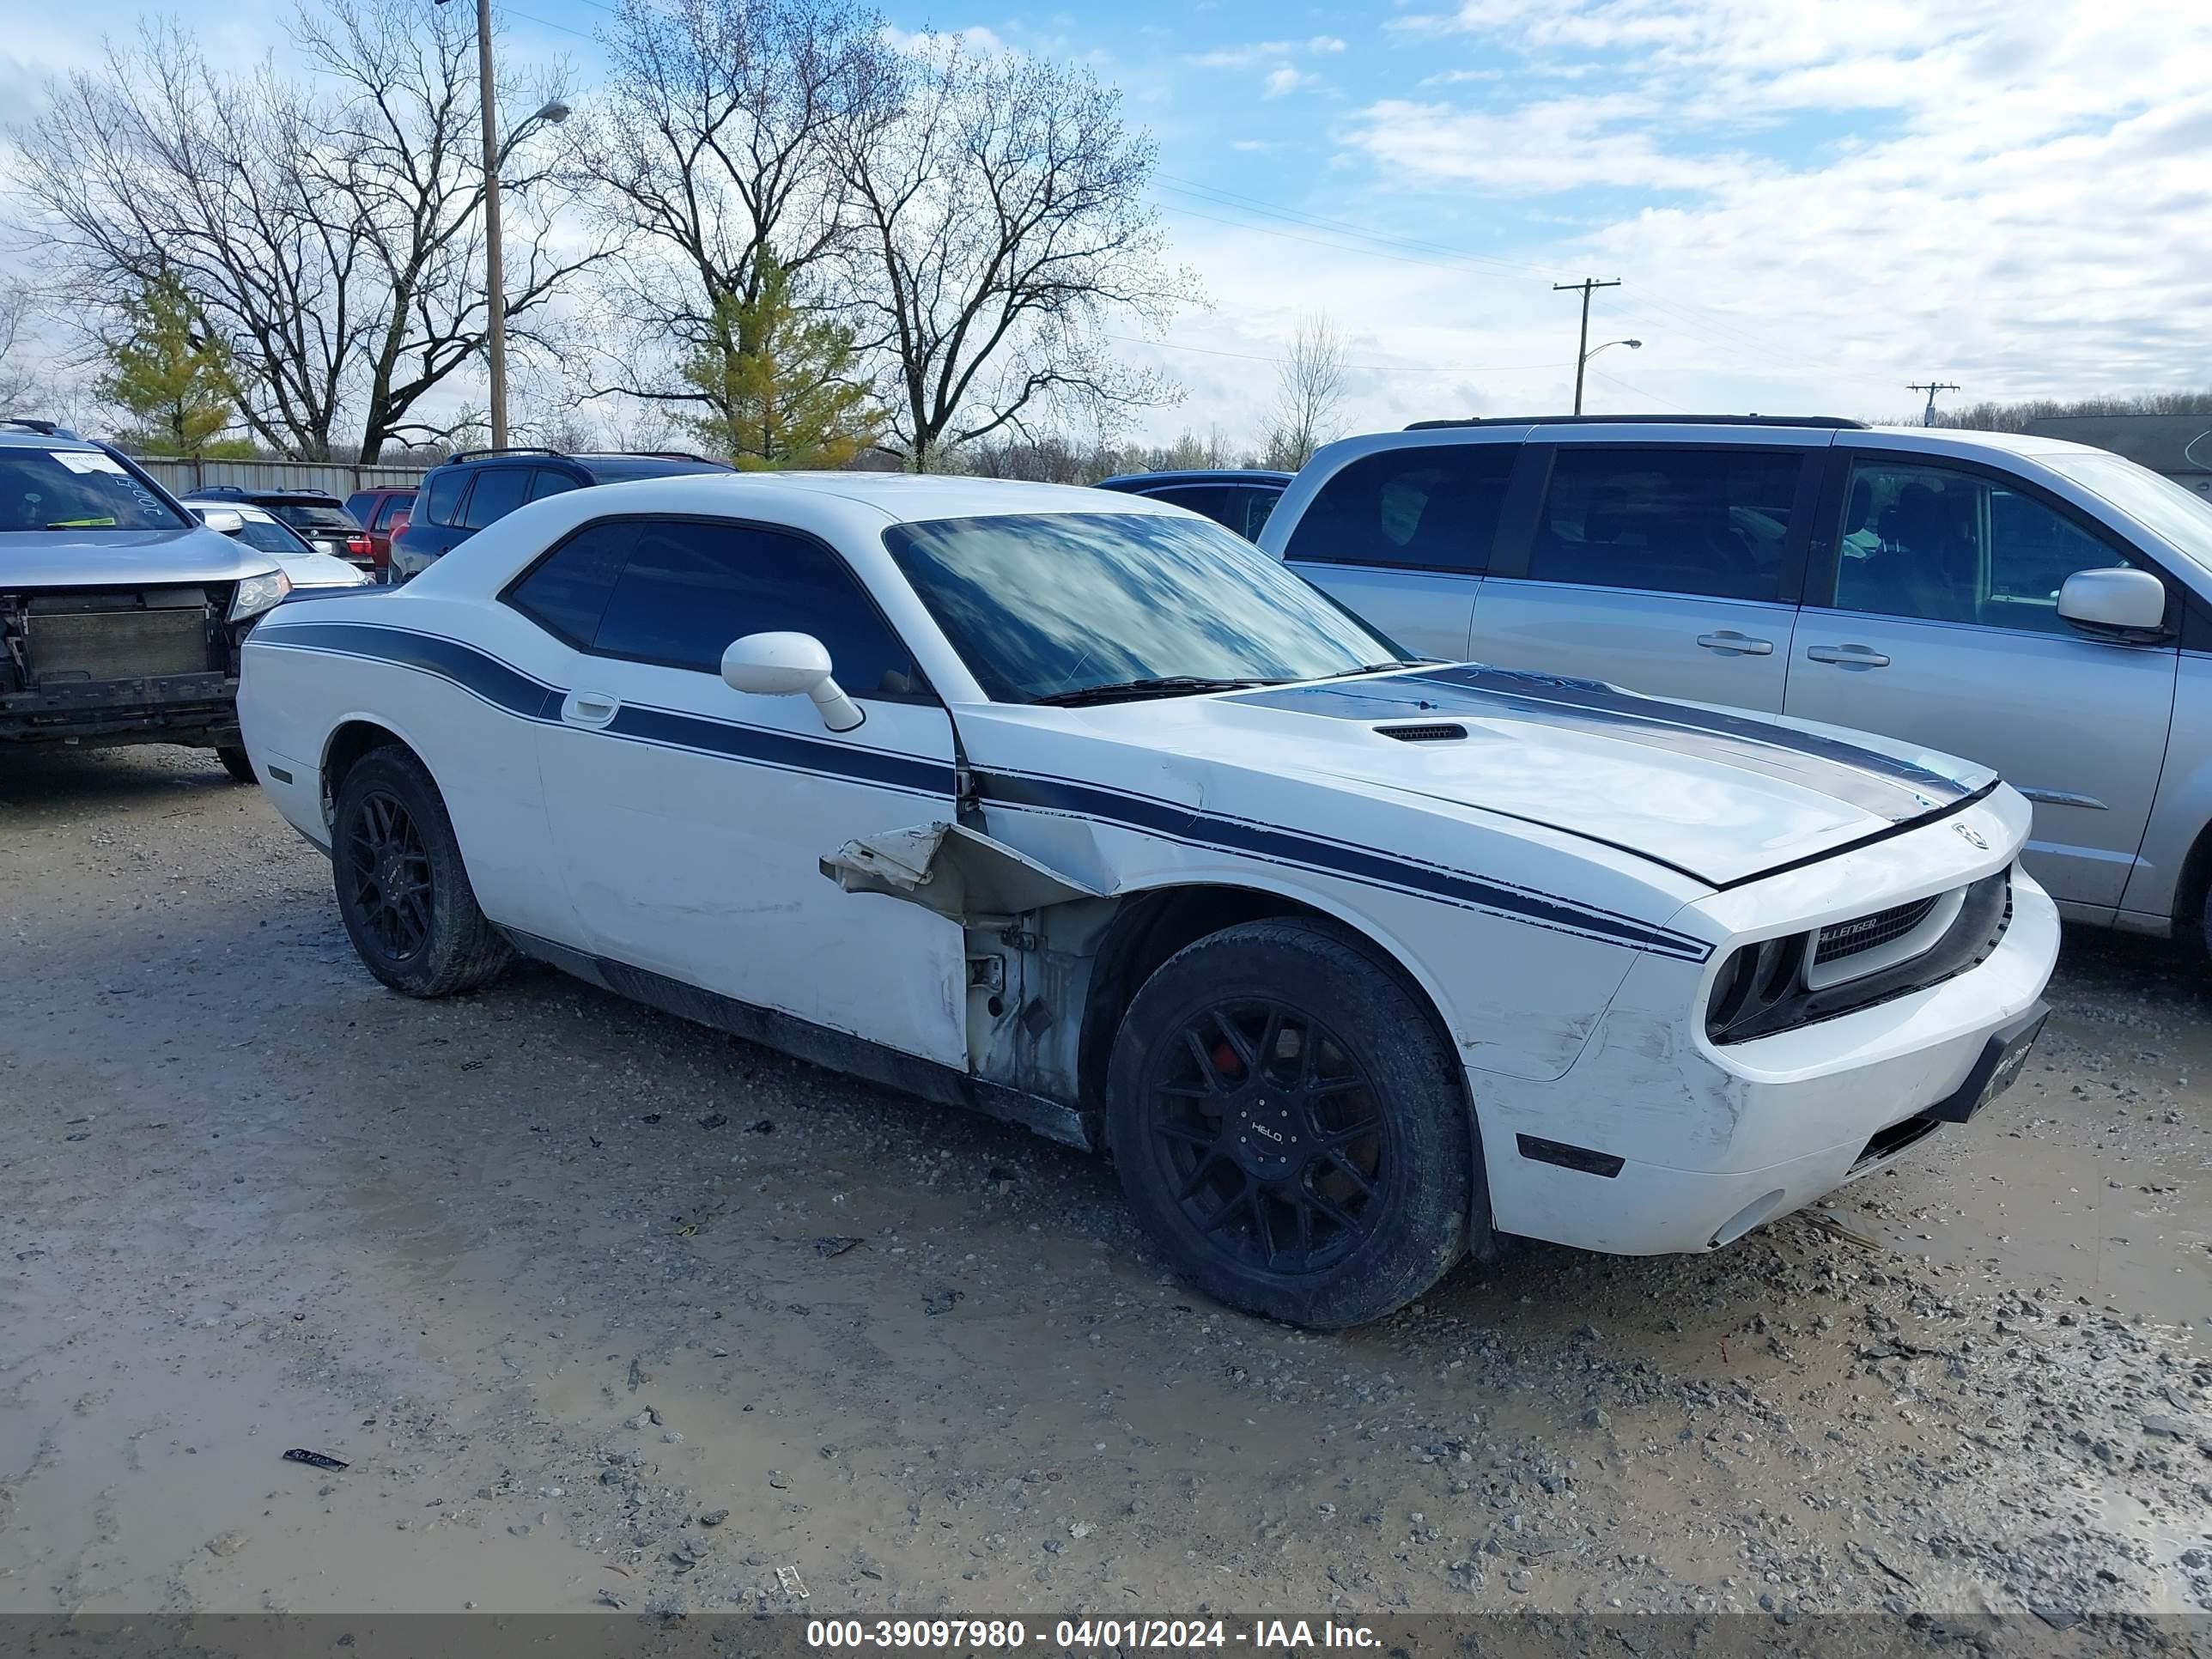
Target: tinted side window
(359, 503)
(1669, 520)
(1215, 501)
(568, 591)
(393, 507)
(499, 491)
(689, 589)
(1258, 507)
(442, 495)
(545, 482)
(1942, 545)
(1430, 508)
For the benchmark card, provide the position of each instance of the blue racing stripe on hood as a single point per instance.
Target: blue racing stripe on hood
(1887, 786)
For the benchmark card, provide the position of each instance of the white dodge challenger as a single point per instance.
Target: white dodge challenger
(1077, 809)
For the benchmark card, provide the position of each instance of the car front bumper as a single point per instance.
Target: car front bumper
(1704, 1144)
(185, 709)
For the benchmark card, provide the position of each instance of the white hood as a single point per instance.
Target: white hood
(1718, 794)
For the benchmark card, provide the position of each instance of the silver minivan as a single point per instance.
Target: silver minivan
(2039, 605)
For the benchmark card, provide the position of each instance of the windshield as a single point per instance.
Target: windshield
(2182, 516)
(1048, 605)
(76, 490)
(309, 515)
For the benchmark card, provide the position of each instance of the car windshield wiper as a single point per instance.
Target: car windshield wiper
(1381, 667)
(1169, 685)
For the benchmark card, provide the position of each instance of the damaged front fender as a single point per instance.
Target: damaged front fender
(958, 872)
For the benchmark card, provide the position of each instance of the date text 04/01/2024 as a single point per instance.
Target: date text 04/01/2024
(1079, 1635)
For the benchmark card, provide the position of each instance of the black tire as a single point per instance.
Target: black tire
(402, 889)
(236, 761)
(1332, 1179)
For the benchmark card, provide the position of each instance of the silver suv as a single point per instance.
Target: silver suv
(2037, 605)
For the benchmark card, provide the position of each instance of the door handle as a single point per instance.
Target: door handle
(1741, 644)
(593, 709)
(1847, 656)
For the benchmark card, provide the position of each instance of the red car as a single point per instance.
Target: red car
(382, 513)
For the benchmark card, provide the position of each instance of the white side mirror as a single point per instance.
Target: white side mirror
(2129, 601)
(784, 665)
(222, 518)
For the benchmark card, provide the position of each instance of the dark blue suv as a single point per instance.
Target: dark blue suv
(479, 487)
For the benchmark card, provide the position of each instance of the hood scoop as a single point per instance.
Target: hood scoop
(1435, 732)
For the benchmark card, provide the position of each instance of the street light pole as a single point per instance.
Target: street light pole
(494, 274)
(1582, 348)
(495, 152)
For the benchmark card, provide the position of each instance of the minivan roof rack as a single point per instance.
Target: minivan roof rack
(506, 449)
(44, 429)
(642, 454)
(1838, 423)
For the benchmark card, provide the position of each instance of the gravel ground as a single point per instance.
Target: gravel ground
(603, 1309)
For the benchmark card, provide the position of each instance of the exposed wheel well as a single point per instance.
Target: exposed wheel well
(347, 745)
(1152, 926)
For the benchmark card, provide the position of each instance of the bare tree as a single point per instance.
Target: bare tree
(328, 231)
(1309, 394)
(149, 165)
(399, 171)
(717, 138)
(1003, 203)
(19, 381)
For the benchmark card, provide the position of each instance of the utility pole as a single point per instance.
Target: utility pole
(1582, 349)
(495, 273)
(494, 154)
(1931, 387)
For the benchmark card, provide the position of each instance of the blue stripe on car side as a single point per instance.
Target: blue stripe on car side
(779, 749)
(495, 682)
(528, 698)
(1364, 865)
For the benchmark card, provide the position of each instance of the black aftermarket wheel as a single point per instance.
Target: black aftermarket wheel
(402, 889)
(1289, 1125)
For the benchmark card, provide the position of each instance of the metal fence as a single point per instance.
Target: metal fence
(339, 478)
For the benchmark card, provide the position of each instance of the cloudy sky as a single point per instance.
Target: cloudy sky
(1809, 203)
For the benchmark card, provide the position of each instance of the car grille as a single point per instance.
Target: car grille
(1847, 939)
(116, 645)
(1762, 989)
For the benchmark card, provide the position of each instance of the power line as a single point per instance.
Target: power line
(547, 23)
(1219, 196)
(1634, 391)
(1378, 368)
(1416, 251)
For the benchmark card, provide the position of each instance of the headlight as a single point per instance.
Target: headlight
(257, 594)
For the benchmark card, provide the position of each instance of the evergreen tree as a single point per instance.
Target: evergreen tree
(171, 374)
(780, 385)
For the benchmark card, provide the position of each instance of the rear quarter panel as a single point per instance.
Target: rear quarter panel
(299, 687)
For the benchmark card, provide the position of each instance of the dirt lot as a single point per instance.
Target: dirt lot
(604, 1309)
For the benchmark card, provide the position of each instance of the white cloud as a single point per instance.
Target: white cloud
(1325, 45)
(979, 41)
(1284, 79)
(1836, 199)
(1557, 144)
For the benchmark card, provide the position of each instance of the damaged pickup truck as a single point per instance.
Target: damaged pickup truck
(120, 613)
(1076, 809)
